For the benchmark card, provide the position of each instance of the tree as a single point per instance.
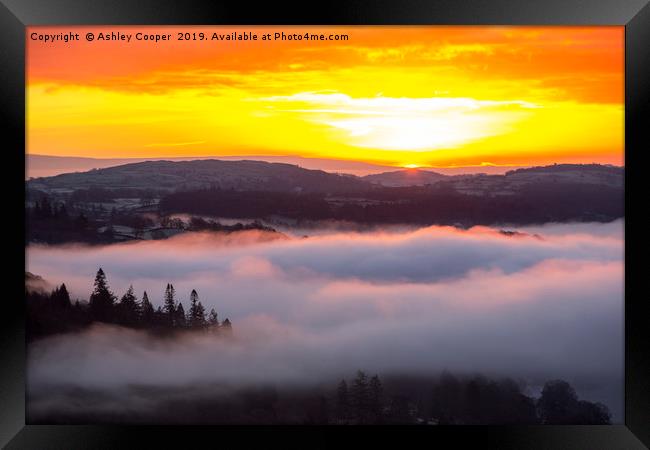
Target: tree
(446, 399)
(169, 304)
(159, 317)
(342, 401)
(147, 311)
(213, 318)
(200, 315)
(559, 405)
(360, 396)
(317, 411)
(128, 308)
(399, 409)
(102, 300)
(592, 414)
(60, 297)
(557, 402)
(196, 314)
(375, 400)
(226, 326)
(179, 319)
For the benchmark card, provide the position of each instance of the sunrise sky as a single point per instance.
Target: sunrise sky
(400, 96)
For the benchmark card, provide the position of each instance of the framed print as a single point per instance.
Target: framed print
(393, 220)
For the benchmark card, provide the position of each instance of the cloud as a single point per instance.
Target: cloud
(315, 309)
(403, 122)
(395, 105)
(423, 255)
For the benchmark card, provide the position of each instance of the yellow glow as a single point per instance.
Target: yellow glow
(518, 98)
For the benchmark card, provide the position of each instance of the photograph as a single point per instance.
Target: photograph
(325, 225)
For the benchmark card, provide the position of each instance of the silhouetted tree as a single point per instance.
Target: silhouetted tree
(102, 300)
(128, 308)
(588, 413)
(196, 316)
(342, 402)
(559, 405)
(179, 320)
(317, 411)
(169, 304)
(399, 409)
(61, 297)
(213, 318)
(200, 315)
(360, 397)
(160, 318)
(226, 326)
(445, 404)
(147, 311)
(557, 402)
(375, 399)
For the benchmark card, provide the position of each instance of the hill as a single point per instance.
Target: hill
(508, 183)
(38, 166)
(407, 177)
(551, 177)
(171, 176)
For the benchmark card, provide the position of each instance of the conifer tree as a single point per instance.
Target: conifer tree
(128, 308)
(360, 396)
(169, 307)
(61, 298)
(342, 401)
(213, 318)
(193, 314)
(179, 320)
(147, 311)
(200, 315)
(375, 402)
(159, 317)
(102, 300)
(226, 326)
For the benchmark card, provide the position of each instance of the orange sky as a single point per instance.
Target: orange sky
(417, 96)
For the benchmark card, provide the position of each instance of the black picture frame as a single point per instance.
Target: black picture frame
(15, 15)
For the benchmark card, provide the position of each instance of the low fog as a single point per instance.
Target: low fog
(542, 304)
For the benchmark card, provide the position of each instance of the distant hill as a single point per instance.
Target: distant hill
(284, 193)
(547, 177)
(580, 173)
(47, 166)
(406, 177)
(510, 181)
(162, 177)
(199, 174)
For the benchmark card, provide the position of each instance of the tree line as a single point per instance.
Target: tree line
(445, 399)
(455, 400)
(427, 205)
(56, 313)
(57, 222)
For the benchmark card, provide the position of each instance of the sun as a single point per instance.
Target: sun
(411, 166)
